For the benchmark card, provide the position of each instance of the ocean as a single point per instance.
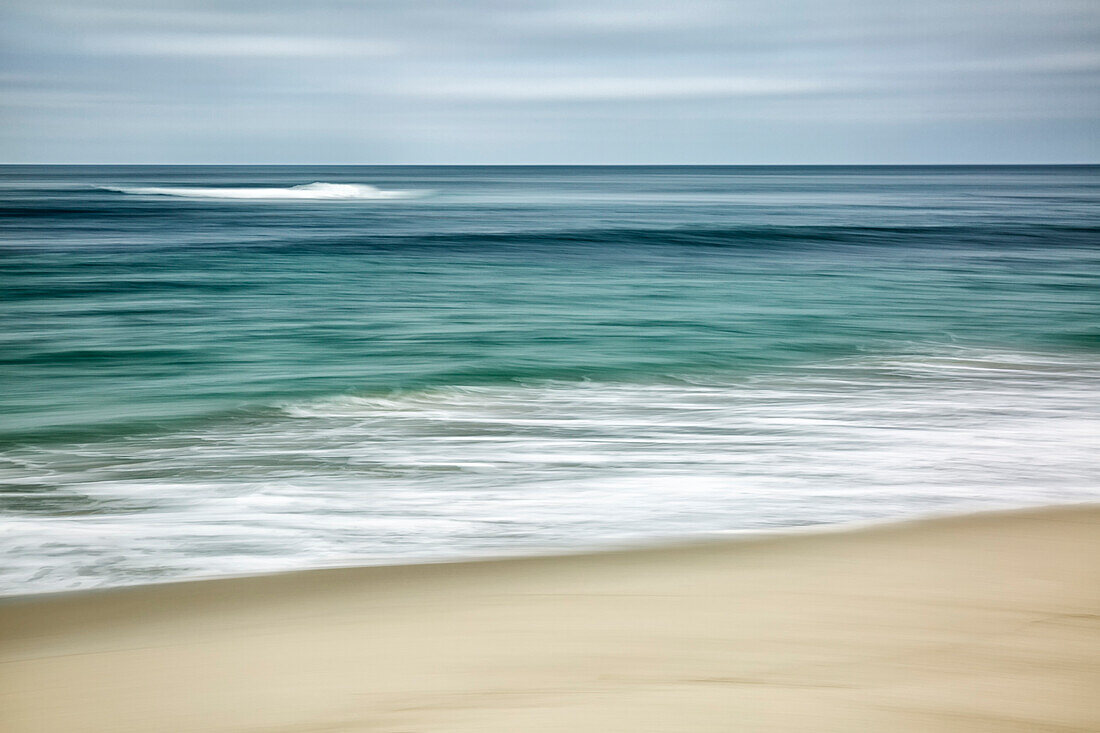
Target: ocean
(225, 370)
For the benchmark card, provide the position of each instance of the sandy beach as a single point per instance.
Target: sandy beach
(980, 623)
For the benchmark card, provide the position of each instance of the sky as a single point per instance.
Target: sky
(550, 81)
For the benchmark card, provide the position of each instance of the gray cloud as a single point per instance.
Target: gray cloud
(493, 81)
(577, 89)
(227, 46)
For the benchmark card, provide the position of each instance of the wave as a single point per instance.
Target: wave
(465, 470)
(752, 238)
(309, 191)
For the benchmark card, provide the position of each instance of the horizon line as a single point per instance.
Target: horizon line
(569, 165)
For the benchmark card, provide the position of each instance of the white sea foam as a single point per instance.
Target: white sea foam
(310, 191)
(468, 470)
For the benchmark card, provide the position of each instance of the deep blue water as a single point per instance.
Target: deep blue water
(208, 370)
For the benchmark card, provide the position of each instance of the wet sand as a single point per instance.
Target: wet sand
(989, 622)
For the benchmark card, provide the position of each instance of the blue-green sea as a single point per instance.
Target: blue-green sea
(221, 370)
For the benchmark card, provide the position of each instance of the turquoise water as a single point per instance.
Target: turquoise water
(231, 369)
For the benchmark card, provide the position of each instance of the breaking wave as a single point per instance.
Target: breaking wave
(312, 191)
(462, 471)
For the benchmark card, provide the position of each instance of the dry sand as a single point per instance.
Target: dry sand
(980, 623)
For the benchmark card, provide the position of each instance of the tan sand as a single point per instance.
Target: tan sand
(979, 623)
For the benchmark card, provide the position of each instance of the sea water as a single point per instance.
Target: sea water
(219, 370)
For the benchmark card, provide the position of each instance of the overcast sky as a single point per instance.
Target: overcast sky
(555, 81)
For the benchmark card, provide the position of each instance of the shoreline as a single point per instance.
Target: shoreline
(978, 621)
(638, 544)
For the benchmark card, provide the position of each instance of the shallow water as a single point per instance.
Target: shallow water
(409, 363)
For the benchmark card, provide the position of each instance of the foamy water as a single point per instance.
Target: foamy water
(311, 191)
(474, 470)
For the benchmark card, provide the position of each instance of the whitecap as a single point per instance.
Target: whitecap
(311, 191)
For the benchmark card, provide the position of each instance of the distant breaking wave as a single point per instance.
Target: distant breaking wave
(316, 190)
